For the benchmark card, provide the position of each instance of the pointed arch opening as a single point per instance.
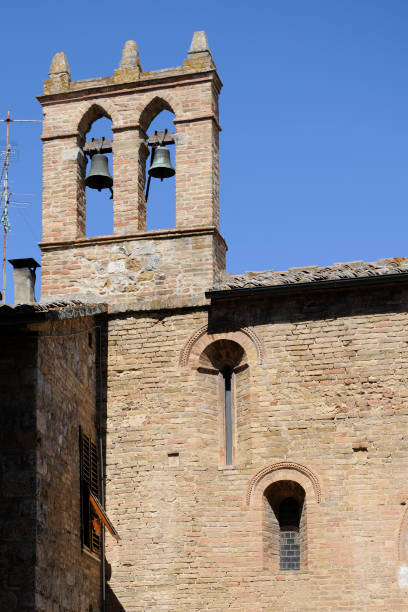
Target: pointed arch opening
(161, 205)
(98, 204)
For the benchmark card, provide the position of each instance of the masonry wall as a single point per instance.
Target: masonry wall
(67, 578)
(326, 407)
(153, 265)
(17, 468)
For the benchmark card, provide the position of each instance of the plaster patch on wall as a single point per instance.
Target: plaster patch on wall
(403, 576)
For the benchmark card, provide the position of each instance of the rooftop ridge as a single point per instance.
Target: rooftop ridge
(311, 274)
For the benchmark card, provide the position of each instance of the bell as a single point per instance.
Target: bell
(99, 176)
(161, 165)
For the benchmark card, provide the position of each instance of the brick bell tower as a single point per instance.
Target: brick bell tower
(171, 265)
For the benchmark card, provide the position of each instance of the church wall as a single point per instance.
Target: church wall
(326, 408)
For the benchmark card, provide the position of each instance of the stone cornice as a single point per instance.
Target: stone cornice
(107, 87)
(166, 234)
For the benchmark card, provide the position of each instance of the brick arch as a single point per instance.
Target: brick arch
(92, 111)
(402, 540)
(282, 470)
(201, 339)
(155, 106)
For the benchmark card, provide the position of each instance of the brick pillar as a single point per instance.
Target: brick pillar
(63, 200)
(129, 163)
(197, 172)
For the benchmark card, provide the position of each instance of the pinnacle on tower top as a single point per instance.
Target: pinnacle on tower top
(129, 68)
(199, 44)
(199, 54)
(59, 66)
(130, 56)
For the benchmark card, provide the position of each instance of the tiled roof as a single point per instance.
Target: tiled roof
(312, 274)
(60, 309)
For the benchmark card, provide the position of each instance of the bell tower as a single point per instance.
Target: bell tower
(171, 265)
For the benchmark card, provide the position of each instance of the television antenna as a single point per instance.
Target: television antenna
(5, 195)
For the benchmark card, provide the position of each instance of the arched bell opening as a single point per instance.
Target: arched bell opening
(98, 174)
(161, 201)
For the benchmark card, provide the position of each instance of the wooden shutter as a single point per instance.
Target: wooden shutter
(89, 484)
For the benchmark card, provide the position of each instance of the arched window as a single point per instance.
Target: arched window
(227, 360)
(99, 205)
(284, 526)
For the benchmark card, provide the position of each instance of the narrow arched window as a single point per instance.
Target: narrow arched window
(284, 526)
(227, 374)
(228, 390)
(289, 521)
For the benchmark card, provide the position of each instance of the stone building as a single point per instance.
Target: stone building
(246, 435)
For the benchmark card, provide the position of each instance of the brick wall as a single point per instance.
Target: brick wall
(332, 381)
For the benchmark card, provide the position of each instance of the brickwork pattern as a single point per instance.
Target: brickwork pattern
(190, 96)
(330, 386)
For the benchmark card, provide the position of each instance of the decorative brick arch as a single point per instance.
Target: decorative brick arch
(402, 540)
(199, 341)
(88, 112)
(154, 107)
(282, 470)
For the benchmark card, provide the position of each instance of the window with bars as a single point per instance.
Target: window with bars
(90, 526)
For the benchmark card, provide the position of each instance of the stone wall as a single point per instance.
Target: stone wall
(326, 408)
(47, 391)
(156, 264)
(67, 578)
(18, 463)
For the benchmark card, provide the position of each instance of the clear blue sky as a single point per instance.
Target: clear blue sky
(314, 111)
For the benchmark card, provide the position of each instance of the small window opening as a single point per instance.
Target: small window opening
(284, 527)
(161, 205)
(99, 205)
(289, 519)
(227, 374)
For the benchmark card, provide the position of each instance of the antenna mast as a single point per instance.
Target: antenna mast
(6, 195)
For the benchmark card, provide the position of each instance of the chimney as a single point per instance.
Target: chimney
(24, 279)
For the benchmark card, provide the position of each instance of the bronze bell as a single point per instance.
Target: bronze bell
(99, 176)
(161, 165)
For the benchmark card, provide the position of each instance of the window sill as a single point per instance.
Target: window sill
(91, 555)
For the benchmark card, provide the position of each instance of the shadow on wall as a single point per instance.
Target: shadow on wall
(112, 602)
